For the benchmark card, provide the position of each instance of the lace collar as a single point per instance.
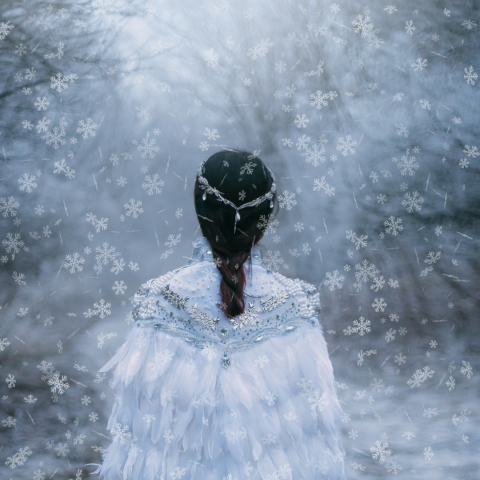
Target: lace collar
(202, 251)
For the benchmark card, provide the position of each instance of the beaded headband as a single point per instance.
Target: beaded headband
(208, 189)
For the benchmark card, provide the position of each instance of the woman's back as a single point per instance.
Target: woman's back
(204, 396)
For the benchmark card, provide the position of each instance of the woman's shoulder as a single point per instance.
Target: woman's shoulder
(156, 285)
(188, 281)
(296, 283)
(301, 289)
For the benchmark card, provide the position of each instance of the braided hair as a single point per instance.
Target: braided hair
(240, 177)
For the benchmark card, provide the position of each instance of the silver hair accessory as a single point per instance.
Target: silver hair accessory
(208, 189)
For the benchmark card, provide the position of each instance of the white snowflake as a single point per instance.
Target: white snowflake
(318, 100)
(287, 200)
(74, 263)
(468, 24)
(334, 281)
(9, 206)
(27, 183)
(211, 58)
(379, 305)
(470, 75)
(119, 287)
(419, 64)
(314, 154)
(321, 184)
(360, 242)
(260, 50)
(393, 225)
(401, 130)
(362, 25)
(148, 147)
(87, 127)
(273, 260)
(420, 376)
(412, 202)
(153, 184)
(409, 27)
(301, 121)
(471, 151)
(133, 208)
(346, 145)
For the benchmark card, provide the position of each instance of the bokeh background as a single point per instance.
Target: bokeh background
(368, 114)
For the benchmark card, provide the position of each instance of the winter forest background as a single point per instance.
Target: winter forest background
(368, 115)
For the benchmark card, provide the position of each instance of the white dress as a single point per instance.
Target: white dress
(201, 398)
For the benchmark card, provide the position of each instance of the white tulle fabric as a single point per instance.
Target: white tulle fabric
(178, 413)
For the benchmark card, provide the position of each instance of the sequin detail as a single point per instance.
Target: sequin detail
(247, 318)
(202, 318)
(274, 301)
(174, 298)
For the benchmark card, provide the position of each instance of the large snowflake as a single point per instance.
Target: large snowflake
(27, 182)
(362, 25)
(362, 326)
(100, 308)
(471, 151)
(301, 121)
(412, 202)
(393, 225)
(74, 263)
(55, 137)
(5, 28)
(360, 242)
(133, 208)
(379, 305)
(334, 280)
(13, 242)
(148, 147)
(470, 76)
(59, 82)
(314, 154)
(346, 145)
(380, 450)
(287, 200)
(8, 206)
(319, 99)
(153, 184)
(420, 376)
(419, 64)
(407, 165)
(211, 133)
(273, 260)
(87, 127)
(321, 184)
(365, 270)
(106, 253)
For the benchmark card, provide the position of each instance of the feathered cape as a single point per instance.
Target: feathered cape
(195, 403)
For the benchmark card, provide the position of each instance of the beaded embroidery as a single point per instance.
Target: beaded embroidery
(173, 298)
(210, 334)
(202, 318)
(274, 301)
(247, 318)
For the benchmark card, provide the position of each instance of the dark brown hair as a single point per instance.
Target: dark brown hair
(226, 171)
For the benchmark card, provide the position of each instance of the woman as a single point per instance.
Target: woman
(225, 374)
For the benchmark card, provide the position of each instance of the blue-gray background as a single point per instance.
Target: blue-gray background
(364, 111)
